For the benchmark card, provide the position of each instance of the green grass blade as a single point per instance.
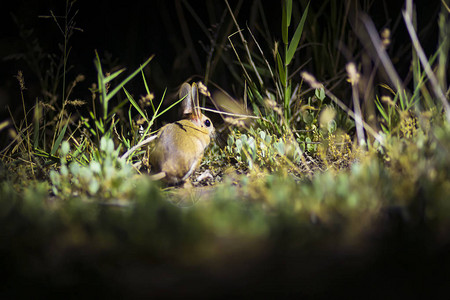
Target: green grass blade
(125, 81)
(113, 75)
(384, 128)
(170, 107)
(288, 12)
(285, 20)
(281, 70)
(381, 109)
(130, 119)
(296, 38)
(116, 109)
(380, 106)
(59, 139)
(37, 116)
(98, 64)
(135, 105)
(101, 84)
(159, 105)
(79, 149)
(99, 126)
(147, 89)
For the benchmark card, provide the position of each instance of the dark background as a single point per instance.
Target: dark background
(126, 33)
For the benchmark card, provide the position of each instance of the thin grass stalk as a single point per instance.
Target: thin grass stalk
(25, 115)
(311, 80)
(444, 49)
(407, 16)
(65, 52)
(354, 80)
(266, 61)
(382, 54)
(245, 43)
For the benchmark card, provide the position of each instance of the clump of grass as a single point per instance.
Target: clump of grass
(258, 148)
(106, 176)
(285, 94)
(83, 155)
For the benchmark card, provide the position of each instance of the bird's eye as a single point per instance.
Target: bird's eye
(207, 123)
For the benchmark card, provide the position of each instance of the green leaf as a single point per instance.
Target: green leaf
(381, 109)
(113, 76)
(170, 107)
(135, 105)
(286, 19)
(384, 128)
(101, 83)
(280, 147)
(59, 139)
(320, 93)
(147, 89)
(281, 70)
(296, 38)
(288, 12)
(287, 98)
(262, 134)
(99, 126)
(98, 64)
(284, 28)
(120, 86)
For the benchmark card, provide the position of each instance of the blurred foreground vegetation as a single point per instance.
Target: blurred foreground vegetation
(335, 182)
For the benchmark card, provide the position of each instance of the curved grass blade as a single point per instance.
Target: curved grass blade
(286, 19)
(135, 105)
(113, 75)
(59, 139)
(296, 38)
(281, 70)
(120, 85)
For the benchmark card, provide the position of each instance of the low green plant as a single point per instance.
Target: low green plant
(258, 148)
(106, 176)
